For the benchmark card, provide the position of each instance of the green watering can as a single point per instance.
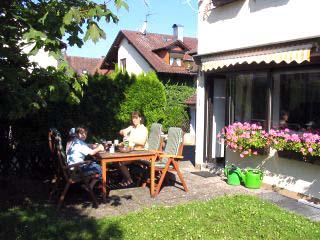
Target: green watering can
(252, 178)
(233, 175)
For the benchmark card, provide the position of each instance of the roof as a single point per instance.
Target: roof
(80, 64)
(191, 100)
(146, 45)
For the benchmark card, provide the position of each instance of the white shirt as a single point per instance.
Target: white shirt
(77, 151)
(136, 135)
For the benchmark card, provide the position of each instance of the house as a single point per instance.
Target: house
(257, 60)
(84, 65)
(168, 55)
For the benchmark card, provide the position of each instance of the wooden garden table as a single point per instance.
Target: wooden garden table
(106, 157)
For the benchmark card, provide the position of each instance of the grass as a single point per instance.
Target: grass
(236, 217)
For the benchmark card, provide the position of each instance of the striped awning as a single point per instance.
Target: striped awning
(287, 54)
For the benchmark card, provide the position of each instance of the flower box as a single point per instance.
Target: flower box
(262, 151)
(245, 138)
(298, 156)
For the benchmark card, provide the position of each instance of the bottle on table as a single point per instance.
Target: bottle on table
(111, 149)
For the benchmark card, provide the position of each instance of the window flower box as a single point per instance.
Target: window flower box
(299, 156)
(245, 138)
(304, 146)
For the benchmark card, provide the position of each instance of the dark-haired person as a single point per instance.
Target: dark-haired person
(137, 135)
(284, 117)
(78, 150)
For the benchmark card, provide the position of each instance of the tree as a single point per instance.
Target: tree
(24, 86)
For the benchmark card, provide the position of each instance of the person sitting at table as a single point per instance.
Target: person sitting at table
(78, 150)
(137, 135)
(72, 135)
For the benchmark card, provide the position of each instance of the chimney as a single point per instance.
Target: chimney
(177, 32)
(143, 29)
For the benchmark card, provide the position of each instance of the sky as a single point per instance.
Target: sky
(165, 13)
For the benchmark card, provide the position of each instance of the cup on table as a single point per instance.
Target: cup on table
(116, 142)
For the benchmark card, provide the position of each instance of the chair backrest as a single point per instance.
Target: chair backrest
(56, 148)
(174, 141)
(154, 139)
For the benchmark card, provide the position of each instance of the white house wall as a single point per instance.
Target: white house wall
(135, 63)
(200, 120)
(247, 23)
(42, 58)
(193, 120)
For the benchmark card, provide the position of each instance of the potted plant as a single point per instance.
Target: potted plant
(245, 138)
(304, 146)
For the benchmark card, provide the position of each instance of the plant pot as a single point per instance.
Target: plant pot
(262, 151)
(298, 156)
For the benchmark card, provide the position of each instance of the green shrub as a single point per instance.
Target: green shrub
(176, 111)
(147, 95)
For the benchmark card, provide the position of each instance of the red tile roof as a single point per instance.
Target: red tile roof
(80, 64)
(145, 44)
(191, 100)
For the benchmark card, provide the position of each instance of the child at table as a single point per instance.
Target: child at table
(78, 149)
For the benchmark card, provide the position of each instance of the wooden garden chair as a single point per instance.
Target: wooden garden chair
(154, 144)
(169, 158)
(72, 174)
(154, 139)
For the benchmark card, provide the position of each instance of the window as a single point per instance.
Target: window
(123, 64)
(176, 58)
(218, 3)
(296, 101)
(249, 97)
(175, 61)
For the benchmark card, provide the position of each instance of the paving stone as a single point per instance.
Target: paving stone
(272, 196)
(315, 218)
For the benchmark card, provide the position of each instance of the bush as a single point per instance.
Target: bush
(146, 95)
(176, 111)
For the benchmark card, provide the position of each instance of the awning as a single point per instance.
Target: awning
(287, 54)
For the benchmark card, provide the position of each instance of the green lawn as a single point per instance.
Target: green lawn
(237, 217)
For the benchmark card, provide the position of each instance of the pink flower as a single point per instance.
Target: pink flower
(310, 149)
(255, 153)
(241, 155)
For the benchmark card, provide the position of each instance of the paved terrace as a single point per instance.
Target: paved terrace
(204, 187)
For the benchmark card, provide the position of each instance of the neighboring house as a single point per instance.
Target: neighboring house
(259, 58)
(85, 65)
(81, 65)
(167, 55)
(42, 58)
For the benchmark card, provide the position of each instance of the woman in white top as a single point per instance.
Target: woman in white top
(137, 135)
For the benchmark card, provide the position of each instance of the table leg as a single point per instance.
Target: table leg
(152, 173)
(104, 181)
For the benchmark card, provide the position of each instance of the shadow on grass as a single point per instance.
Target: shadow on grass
(35, 221)
(25, 213)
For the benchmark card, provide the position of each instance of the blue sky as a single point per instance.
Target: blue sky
(164, 14)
